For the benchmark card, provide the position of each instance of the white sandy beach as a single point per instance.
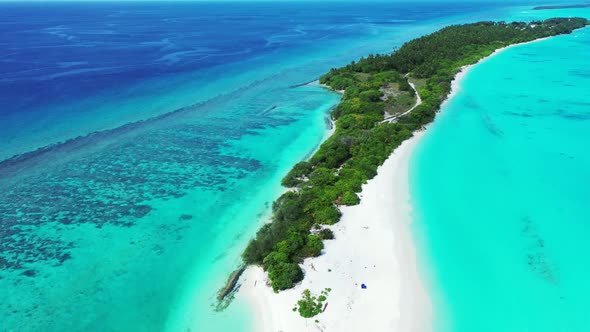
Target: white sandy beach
(373, 246)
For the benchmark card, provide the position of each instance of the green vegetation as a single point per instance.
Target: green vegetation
(310, 305)
(362, 142)
(326, 234)
(582, 5)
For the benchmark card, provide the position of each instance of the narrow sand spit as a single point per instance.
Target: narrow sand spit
(373, 246)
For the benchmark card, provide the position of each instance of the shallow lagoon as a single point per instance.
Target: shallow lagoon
(499, 182)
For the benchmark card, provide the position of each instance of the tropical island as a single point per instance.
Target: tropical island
(386, 98)
(583, 5)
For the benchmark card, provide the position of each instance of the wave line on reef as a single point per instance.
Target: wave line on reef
(25, 163)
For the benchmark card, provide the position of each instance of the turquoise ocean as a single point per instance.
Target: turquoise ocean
(500, 188)
(141, 146)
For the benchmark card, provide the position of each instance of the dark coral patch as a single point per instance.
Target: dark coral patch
(29, 273)
(113, 185)
(185, 217)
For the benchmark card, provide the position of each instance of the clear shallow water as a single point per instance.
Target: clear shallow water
(500, 188)
(192, 113)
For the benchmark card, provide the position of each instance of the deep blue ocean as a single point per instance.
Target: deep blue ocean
(106, 64)
(141, 146)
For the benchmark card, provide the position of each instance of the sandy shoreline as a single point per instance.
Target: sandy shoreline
(374, 246)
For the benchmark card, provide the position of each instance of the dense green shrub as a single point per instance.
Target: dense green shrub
(327, 215)
(313, 246)
(326, 234)
(311, 305)
(298, 171)
(350, 198)
(284, 275)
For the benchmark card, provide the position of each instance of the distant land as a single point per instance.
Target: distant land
(582, 5)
